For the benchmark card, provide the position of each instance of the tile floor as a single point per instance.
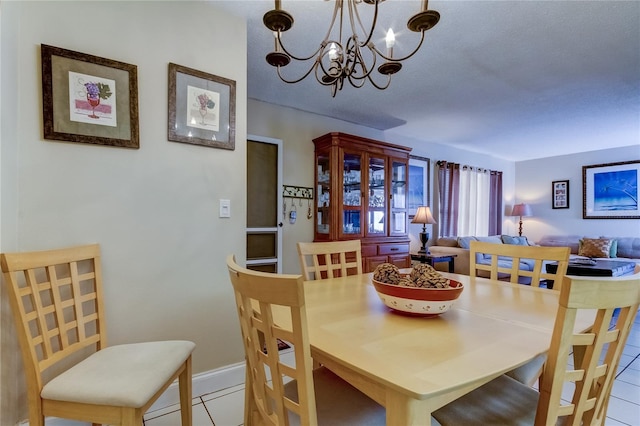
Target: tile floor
(225, 408)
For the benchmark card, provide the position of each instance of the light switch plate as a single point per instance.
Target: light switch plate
(225, 208)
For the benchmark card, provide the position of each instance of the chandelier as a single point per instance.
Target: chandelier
(342, 56)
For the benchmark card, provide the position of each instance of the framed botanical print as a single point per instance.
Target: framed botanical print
(610, 191)
(89, 99)
(560, 194)
(202, 108)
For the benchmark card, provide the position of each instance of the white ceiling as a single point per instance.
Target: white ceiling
(515, 79)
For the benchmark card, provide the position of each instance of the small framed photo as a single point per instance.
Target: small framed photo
(560, 194)
(610, 191)
(89, 99)
(418, 184)
(202, 108)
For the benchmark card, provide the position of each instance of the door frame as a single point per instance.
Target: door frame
(278, 227)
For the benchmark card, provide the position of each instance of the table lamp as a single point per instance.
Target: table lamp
(423, 216)
(522, 210)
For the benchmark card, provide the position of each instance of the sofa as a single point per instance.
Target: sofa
(459, 246)
(615, 248)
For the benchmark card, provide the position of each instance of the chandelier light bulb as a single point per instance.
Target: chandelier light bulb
(390, 39)
(333, 51)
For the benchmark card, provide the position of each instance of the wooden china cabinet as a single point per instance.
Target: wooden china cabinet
(362, 189)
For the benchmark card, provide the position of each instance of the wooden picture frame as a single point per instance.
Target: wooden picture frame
(610, 191)
(419, 189)
(202, 108)
(560, 194)
(89, 99)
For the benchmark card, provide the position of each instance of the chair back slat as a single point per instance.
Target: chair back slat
(56, 301)
(521, 258)
(330, 259)
(596, 352)
(258, 295)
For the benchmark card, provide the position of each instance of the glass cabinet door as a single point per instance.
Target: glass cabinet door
(351, 194)
(399, 180)
(323, 217)
(377, 197)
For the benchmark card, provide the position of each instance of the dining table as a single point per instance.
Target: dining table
(414, 365)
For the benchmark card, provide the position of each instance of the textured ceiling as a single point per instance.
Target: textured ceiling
(515, 79)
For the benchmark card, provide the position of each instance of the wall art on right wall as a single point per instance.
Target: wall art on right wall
(560, 194)
(610, 191)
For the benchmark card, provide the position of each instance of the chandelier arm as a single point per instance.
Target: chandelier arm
(374, 21)
(323, 44)
(387, 58)
(298, 58)
(376, 85)
(359, 61)
(358, 82)
(297, 80)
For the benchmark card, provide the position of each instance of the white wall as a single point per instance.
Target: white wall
(153, 210)
(297, 129)
(533, 183)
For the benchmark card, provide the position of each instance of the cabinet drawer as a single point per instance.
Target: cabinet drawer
(401, 261)
(369, 250)
(393, 248)
(370, 263)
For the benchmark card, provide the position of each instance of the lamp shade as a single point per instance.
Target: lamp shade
(423, 215)
(522, 210)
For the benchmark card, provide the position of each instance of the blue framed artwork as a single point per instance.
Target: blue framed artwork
(610, 191)
(419, 194)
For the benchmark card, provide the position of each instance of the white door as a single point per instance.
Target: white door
(264, 204)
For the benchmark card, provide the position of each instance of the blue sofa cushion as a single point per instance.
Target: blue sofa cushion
(518, 241)
(464, 242)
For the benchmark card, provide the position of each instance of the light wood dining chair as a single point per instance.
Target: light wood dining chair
(509, 260)
(57, 301)
(587, 382)
(281, 393)
(520, 263)
(330, 259)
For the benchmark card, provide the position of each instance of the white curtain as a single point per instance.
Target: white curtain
(474, 199)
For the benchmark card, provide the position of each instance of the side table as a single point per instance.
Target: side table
(432, 259)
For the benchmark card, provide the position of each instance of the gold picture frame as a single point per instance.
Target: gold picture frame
(89, 99)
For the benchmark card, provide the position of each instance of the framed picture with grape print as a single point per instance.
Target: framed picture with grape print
(89, 99)
(202, 108)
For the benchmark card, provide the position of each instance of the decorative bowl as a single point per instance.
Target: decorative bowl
(418, 301)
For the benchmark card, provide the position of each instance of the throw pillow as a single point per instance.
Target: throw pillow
(614, 248)
(517, 241)
(595, 247)
(463, 242)
(494, 239)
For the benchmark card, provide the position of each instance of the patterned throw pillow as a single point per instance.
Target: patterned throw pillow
(595, 247)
